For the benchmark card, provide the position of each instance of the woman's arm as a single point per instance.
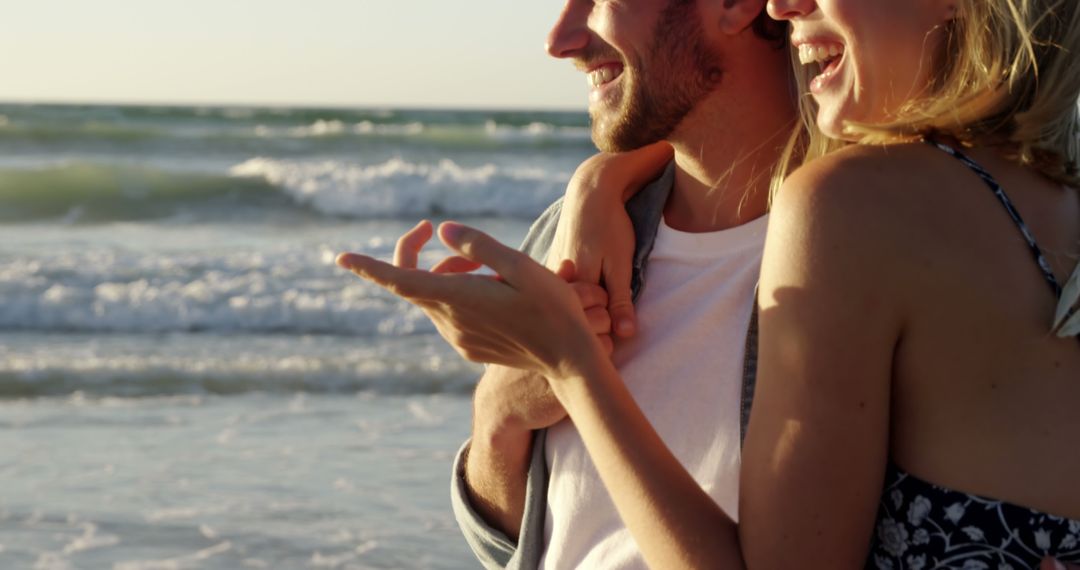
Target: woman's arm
(818, 439)
(530, 319)
(817, 446)
(831, 298)
(675, 523)
(594, 230)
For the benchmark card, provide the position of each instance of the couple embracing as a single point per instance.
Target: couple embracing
(837, 327)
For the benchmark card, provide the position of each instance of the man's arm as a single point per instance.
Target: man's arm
(499, 483)
(498, 492)
(499, 486)
(498, 457)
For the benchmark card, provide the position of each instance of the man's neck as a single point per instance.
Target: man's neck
(725, 155)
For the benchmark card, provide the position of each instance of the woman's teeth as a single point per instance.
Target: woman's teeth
(602, 75)
(818, 53)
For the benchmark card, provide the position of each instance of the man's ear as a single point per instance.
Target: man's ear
(733, 16)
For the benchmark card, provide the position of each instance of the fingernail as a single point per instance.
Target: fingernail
(342, 260)
(625, 327)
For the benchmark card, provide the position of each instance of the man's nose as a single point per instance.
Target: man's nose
(570, 34)
(790, 9)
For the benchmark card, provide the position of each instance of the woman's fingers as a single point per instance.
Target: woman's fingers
(607, 344)
(567, 271)
(456, 264)
(599, 320)
(512, 265)
(1052, 564)
(617, 278)
(411, 284)
(407, 251)
(590, 295)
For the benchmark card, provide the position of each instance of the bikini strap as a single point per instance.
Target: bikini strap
(1040, 259)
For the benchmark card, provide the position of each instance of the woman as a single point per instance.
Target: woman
(904, 310)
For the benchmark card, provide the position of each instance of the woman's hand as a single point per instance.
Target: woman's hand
(594, 230)
(527, 317)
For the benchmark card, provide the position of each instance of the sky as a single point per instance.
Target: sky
(396, 53)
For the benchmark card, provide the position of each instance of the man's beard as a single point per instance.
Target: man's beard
(661, 90)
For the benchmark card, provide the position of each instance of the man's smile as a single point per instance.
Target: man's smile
(604, 73)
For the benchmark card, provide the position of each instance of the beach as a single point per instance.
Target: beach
(186, 378)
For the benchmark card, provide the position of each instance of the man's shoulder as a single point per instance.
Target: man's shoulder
(542, 232)
(643, 208)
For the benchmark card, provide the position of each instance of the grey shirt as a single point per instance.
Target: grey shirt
(492, 547)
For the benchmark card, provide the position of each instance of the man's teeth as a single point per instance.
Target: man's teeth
(817, 53)
(602, 75)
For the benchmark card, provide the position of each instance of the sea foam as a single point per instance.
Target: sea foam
(398, 187)
(75, 192)
(289, 291)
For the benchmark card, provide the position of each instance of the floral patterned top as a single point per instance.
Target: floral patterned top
(922, 526)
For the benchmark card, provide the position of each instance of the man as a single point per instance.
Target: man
(711, 77)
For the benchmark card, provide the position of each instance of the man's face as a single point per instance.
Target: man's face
(647, 62)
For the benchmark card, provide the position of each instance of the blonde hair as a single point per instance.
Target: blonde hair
(1008, 77)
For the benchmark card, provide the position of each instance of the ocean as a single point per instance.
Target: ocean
(186, 378)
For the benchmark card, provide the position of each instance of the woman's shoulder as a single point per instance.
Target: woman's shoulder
(863, 171)
(862, 205)
(860, 181)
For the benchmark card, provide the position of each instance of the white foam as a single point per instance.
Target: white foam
(125, 371)
(179, 513)
(400, 188)
(334, 128)
(192, 560)
(536, 131)
(294, 291)
(90, 540)
(407, 129)
(319, 560)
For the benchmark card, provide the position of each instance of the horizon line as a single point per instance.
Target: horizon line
(279, 105)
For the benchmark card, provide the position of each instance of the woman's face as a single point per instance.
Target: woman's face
(867, 57)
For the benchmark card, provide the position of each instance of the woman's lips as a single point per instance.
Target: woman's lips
(827, 55)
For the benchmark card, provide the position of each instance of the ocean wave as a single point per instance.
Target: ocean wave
(537, 131)
(293, 291)
(11, 130)
(399, 187)
(227, 136)
(336, 128)
(226, 127)
(486, 135)
(93, 193)
(172, 115)
(93, 367)
(81, 192)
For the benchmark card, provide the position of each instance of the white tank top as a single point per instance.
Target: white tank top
(684, 368)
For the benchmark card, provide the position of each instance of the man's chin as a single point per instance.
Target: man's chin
(611, 133)
(606, 143)
(621, 136)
